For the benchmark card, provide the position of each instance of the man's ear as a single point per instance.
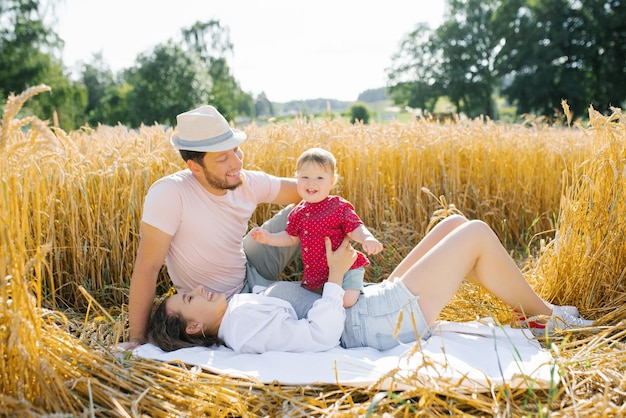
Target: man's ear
(193, 166)
(193, 328)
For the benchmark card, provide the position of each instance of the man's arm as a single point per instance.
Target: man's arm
(153, 247)
(288, 193)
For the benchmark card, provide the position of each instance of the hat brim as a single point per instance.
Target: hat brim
(230, 143)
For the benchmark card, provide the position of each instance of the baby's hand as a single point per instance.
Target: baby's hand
(372, 246)
(260, 235)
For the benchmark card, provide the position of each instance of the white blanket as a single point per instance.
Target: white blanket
(474, 356)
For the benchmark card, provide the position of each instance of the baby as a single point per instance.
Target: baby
(318, 216)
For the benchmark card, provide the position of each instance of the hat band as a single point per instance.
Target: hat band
(206, 142)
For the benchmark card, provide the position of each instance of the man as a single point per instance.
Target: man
(195, 220)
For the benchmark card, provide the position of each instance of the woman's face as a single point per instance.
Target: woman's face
(199, 308)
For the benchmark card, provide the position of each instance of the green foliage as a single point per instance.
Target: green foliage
(23, 39)
(212, 43)
(468, 53)
(67, 100)
(533, 53)
(112, 107)
(167, 81)
(359, 112)
(416, 72)
(99, 81)
(26, 47)
(226, 94)
(263, 107)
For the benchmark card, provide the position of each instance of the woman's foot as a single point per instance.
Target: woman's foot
(569, 309)
(562, 318)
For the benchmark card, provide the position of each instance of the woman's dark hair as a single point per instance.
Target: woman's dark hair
(168, 332)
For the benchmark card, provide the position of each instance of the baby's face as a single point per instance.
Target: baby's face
(315, 182)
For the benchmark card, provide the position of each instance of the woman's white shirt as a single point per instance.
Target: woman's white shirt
(256, 323)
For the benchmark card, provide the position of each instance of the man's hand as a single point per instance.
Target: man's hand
(340, 260)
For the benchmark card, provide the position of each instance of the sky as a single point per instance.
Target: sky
(288, 49)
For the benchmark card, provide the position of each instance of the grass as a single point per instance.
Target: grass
(70, 207)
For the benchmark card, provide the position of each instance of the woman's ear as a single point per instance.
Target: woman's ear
(193, 328)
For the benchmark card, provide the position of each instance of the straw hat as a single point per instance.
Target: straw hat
(204, 129)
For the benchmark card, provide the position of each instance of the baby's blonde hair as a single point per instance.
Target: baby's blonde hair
(319, 156)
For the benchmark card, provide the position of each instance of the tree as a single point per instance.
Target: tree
(66, 101)
(468, 46)
(263, 108)
(212, 44)
(603, 39)
(415, 74)
(165, 82)
(563, 49)
(456, 60)
(533, 52)
(23, 38)
(112, 108)
(27, 48)
(100, 83)
(226, 93)
(218, 44)
(359, 112)
(541, 56)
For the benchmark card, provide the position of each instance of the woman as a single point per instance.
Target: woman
(399, 309)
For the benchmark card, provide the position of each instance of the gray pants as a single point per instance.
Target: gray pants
(265, 264)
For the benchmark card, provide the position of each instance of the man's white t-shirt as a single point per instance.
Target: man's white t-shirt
(206, 230)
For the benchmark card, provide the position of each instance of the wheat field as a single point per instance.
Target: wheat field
(70, 209)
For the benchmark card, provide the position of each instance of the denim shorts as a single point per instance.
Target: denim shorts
(373, 320)
(353, 279)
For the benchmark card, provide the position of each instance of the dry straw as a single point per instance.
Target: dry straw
(70, 208)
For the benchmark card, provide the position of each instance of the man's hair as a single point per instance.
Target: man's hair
(319, 156)
(168, 332)
(196, 156)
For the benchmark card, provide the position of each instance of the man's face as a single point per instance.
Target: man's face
(221, 171)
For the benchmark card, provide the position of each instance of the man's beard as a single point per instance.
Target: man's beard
(219, 183)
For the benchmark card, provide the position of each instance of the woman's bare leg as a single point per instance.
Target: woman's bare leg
(440, 231)
(470, 250)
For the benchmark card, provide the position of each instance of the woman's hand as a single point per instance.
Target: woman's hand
(340, 260)
(128, 345)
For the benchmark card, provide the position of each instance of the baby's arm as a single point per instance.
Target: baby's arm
(278, 239)
(363, 236)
